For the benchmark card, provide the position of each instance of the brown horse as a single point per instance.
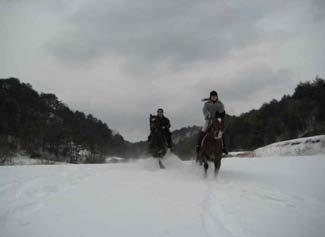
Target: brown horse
(211, 146)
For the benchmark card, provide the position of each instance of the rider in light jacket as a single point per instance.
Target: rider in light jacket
(212, 109)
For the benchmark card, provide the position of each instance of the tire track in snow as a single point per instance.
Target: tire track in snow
(211, 216)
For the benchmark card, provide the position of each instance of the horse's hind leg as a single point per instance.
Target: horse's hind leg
(199, 159)
(200, 162)
(217, 164)
(205, 165)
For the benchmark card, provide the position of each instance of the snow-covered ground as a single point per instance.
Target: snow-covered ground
(300, 147)
(250, 197)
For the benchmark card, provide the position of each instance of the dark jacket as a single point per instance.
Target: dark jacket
(161, 122)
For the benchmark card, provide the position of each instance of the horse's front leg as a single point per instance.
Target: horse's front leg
(205, 161)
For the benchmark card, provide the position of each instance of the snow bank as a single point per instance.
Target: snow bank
(302, 146)
(114, 159)
(25, 160)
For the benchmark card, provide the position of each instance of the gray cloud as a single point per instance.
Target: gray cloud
(145, 32)
(255, 80)
(319, 9)
(120, 60)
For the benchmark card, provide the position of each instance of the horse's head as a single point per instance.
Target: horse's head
(154, 123)
(217, 128)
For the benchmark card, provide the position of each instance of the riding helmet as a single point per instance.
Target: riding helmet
(213, 93)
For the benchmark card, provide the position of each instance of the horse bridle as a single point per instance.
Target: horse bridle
(215, 135)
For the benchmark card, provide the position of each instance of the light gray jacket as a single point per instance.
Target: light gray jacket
(210, 109)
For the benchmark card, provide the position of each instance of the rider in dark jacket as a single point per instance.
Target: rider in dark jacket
(164, 124)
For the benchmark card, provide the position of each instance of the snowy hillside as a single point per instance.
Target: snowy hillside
(302, 146)
(250, 197)
(185, 133)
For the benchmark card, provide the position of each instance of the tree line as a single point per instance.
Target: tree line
(42, 125)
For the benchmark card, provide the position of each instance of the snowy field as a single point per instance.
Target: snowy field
(251, 197)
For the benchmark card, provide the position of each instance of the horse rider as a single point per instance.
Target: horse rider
(213, 109)
(164, 124)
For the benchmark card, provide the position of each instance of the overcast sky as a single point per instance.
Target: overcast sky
(122, 59)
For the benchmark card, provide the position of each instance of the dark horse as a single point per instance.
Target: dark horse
(211, 146)
(157, 140)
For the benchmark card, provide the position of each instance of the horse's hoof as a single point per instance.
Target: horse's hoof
(206, 166)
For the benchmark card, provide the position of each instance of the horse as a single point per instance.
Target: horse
(157, 140)
(211, 146)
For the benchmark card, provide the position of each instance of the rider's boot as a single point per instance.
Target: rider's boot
(169, 143)
(224, 147)
(199, 141)
(169, 140)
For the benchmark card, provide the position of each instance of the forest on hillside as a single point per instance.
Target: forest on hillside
(42, 125)
(299, 115)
